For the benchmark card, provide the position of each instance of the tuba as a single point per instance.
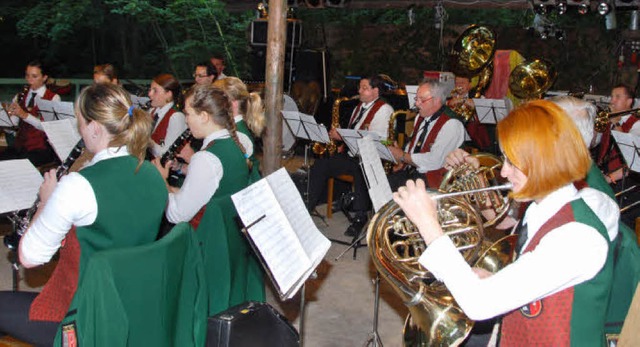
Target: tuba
(531, 79)
(396, 245)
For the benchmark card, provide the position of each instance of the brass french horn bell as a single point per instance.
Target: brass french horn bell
(531, 79)
(472, 51)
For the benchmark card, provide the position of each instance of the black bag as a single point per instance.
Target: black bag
(251, 324)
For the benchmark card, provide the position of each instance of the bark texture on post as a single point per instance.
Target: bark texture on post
(273, 86)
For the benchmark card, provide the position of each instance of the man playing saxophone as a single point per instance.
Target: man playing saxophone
(373, 114)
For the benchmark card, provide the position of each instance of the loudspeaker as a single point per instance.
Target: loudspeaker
(259, 28)
(251, 324)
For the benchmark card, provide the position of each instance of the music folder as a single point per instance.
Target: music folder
(350, 137)
(55, 110)
(63, 136)
(491, 111)
(281, 231)
(304, 126)
(629, 145)
(377, 182)
(19, 185)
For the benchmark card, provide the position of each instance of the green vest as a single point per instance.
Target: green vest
(595, 179)
(233, 273)
(255, 176)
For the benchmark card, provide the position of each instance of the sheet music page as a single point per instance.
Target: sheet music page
(629, 145)
(45, 107)
(64, 109)
(63, 135)
(139, 101)
(485, 109)
(314, 243)
(350, 138)
(293, 119)
(19, 185)
(412, 91)
(5, 121)
(379, 188)
(273, 236)
(317, 132)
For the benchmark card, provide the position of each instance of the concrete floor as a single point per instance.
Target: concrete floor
(339, 302)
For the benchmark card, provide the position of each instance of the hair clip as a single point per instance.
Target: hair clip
(130, 112)
(246, 156)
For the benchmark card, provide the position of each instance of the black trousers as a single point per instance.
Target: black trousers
(399, 178)
(14, 319)
(339, 164)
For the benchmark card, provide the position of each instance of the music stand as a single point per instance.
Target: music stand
(5, 119)
(142, 102)
(491, 111)
(629, 146)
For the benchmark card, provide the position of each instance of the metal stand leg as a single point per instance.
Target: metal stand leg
(374, 337)
(307, 170)
(302, 312)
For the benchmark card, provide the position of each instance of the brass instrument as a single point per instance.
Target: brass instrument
(331, 148)
(603, 118)
(391, 134)
(471, 56)
(396, 245)
(531, 79)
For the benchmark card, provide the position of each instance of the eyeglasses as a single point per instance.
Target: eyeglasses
(422, 100)
(195, 75)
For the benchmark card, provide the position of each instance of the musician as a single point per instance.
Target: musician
(217, 60)
(105, 73)
(436, 132)
(219, 169)
(115, 202)
(461, 102)
(169, 123)
(247, 110)
(30, 140)
(372, 114)
(205, 73)
(555, 292)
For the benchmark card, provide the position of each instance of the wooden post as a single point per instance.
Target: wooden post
(273, 85)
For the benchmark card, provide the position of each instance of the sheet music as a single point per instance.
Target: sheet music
(630, 147)
(19, 185)
(293, 119)
(140, 101)
(317, 132)
(64, 109)
(350, 138)
(288, 138)
(63, 135)
(5, 121)
(45, 107)
(379, 188)
(412, 91)
(491, 111)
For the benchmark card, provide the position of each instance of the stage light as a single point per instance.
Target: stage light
(561, 7)
(603, 8)
(583, 9)
(541, 9)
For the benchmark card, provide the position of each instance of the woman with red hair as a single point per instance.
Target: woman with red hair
(556, 292)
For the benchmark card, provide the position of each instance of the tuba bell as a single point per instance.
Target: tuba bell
(531, 79)
(396, 245)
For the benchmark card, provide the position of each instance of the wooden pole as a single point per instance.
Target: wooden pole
(273, 86)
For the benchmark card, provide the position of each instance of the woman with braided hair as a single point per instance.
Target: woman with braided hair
(220, 169)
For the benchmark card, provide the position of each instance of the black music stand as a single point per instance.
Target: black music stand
(629, 146)
(490, 112)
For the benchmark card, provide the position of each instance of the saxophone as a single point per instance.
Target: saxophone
(21, 223)
(395, 245)
(331, 148)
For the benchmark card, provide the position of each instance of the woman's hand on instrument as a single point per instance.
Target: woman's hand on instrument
(48, 186)
(16, 110)
(164, 170)
(420, 208)
(459, 157)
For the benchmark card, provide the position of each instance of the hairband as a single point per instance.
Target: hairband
(130, 112)
(246, 156)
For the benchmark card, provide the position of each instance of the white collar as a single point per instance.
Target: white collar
(219, 134)
(108, 153)
(539, 213)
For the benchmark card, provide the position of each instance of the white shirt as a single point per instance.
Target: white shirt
(450, 137)
(565, 257)
(380, 122)
(31, 119)
(635, 129)
(177, 125)
(244, 139)
(202, 181)
(73, 202)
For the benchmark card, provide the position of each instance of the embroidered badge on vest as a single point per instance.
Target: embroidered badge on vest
(532, 310)
(69, 338)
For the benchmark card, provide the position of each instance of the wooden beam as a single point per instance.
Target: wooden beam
(273, 86)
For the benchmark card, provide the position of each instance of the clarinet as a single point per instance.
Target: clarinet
(171, 152)
(22, 223)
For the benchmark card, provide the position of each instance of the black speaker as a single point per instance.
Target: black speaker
(259, 28)
(251, 324)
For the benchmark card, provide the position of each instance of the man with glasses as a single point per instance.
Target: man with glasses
(205, 73)
(437, 131)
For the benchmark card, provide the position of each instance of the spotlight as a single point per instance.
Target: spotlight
(603, 8)
(541, 9)
(583, 9)
(544, 34)
(561, 7)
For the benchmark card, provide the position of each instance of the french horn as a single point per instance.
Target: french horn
(395, 245)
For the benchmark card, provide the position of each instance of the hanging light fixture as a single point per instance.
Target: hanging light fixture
(604, 8)
(583, 9)
(561, 7)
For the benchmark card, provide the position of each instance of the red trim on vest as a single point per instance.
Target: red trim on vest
(195, 221)
(434, 177)
(160, 133)
(370, 114)
(29, 138)
(53, 302)
(628, 124)
(551, 323)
